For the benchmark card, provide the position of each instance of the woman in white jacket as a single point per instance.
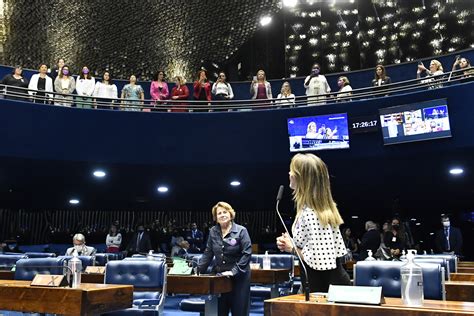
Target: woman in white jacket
(85, 85)
(41, 83)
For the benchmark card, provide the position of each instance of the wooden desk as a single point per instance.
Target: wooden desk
(295, 305)
(271, 276)
(7, 275)
(465, 270)
(459, 291)
(89, 299)
(462, 277)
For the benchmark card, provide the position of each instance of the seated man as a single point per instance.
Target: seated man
(10, 245)
(80, 247)
(183, 252)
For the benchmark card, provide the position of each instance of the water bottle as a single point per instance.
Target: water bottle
(267, 264)
(75, 266)
(369, 256)
(412, 282)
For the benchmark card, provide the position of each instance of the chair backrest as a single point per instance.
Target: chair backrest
(34, 248)
(40, 254)
(139, 273)
(59, 249)
(442, 261)
(278, 261)
(85, 260)
(387, 275)
(101, 259)
(155, 255)
(452, 260)
(26, 269)
(9, 260)
(144, 274)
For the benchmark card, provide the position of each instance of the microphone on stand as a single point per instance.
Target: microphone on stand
(306, 281)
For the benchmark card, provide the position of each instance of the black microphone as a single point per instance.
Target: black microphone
(306, 281)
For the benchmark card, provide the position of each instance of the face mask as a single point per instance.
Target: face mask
(78, 248)
(65, 72)
(315, 71)
(85, 71)
(396, 227)
(446, 223)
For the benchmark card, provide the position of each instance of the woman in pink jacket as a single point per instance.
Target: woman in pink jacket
(159, 88)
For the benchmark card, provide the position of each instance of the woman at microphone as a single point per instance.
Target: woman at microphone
(230, 245)
(315, 230)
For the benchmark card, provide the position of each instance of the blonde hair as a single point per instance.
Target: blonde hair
(345, 80)
(283, 88)
(438, 64)
(181, 80)
(225, 206)
(313, 188)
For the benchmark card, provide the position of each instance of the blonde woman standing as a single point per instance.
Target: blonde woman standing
(316, 227)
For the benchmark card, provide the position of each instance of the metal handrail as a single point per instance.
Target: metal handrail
(50, 98)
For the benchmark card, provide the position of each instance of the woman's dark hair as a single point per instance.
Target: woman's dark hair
(199, 73)
(40, 65)
(383, 76)
(156, 75)
(17, 67)
(116, 231)
(111, 82)
(60, 75)
(82, 76)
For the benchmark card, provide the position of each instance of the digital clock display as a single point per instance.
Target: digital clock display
(364, 124)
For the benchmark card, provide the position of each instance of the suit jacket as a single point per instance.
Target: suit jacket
(144, 244)
(197, 241)
(455, 240)
(370, 240)
(87, 251)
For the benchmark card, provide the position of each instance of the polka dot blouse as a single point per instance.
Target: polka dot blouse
(320, 245)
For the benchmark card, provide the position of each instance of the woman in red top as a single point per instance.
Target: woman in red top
(179, 92)
(202, 88)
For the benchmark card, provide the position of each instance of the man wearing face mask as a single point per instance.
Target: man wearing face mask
(80, 248)
(140, 242)
(316, 84)
(448, 239)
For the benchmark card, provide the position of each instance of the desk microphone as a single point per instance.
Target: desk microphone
(306, 281)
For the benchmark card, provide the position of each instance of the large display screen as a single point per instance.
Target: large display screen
(318, 132)
(415, 122)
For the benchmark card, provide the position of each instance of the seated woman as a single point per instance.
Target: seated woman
(345, 89)
(285, 97)
(113, 240)
(15, 79)
(435, 71)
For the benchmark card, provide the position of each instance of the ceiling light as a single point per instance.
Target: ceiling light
(99, 173)
(73, 201)
(264, 21)
(456, 171)
(235, 183)
(162, 189)
(355, 216)
(290, 3)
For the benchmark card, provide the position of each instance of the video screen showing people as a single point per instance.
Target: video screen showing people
(318, 132)
(415, 122)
